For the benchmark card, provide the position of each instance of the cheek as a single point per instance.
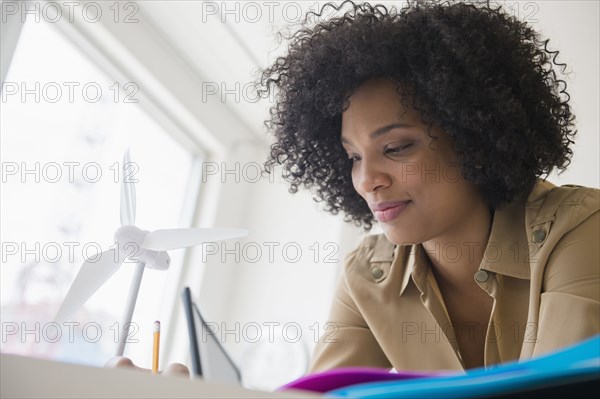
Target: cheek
(410, 177)
(447, 199)
(432, 170)
(409, 174)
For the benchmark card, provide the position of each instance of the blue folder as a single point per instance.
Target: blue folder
(579, 363)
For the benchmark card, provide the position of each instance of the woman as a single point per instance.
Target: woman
(438, 121)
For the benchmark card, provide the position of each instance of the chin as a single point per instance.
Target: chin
(401, 237)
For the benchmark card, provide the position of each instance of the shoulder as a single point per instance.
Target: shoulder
(564, 207)
(547, 200)
(553, 213)
(374, 247)
(372, 259)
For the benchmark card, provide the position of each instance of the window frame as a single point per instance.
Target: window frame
(120, 56)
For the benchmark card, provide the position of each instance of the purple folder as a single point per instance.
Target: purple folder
(333, 379)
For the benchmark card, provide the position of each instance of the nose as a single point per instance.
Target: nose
(370, 176)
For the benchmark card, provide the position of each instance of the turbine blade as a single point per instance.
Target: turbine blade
(91, 276)
(127, 192)
(164, 240)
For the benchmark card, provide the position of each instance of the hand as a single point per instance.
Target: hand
(173, 369)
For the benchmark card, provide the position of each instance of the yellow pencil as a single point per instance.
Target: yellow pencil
(155, 347)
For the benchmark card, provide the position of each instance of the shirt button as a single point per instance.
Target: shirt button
(376, 272)
(538, 236)
(481, 276)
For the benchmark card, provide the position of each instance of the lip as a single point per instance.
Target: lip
(388, 210)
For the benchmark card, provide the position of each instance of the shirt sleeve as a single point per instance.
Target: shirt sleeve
(347, 341)
(570, 299)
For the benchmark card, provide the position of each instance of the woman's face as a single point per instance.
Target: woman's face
(411, 182)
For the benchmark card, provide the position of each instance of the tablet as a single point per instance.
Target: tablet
(209, 359)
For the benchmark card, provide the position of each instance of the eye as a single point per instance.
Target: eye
(353, 157)
(397, 149)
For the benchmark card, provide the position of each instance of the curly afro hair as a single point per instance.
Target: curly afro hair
(482, 75)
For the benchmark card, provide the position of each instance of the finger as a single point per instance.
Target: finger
(124, 363)
(118, 361)
(177, 370)
(173, 369)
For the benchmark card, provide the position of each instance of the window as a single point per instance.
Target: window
(64, 128)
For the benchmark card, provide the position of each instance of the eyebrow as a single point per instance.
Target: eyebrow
(381, 131)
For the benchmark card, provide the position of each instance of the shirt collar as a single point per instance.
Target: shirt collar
(417, 266)
(507, 250)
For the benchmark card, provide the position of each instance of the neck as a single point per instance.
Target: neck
(456, 255)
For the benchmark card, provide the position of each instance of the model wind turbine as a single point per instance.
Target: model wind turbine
(149, 251)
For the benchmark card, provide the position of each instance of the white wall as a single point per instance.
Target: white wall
(284, 286)
(573, 28)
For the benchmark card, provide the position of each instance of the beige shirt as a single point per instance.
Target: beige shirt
(541, 267)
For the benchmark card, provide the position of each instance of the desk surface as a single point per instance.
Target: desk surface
(23, 377)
